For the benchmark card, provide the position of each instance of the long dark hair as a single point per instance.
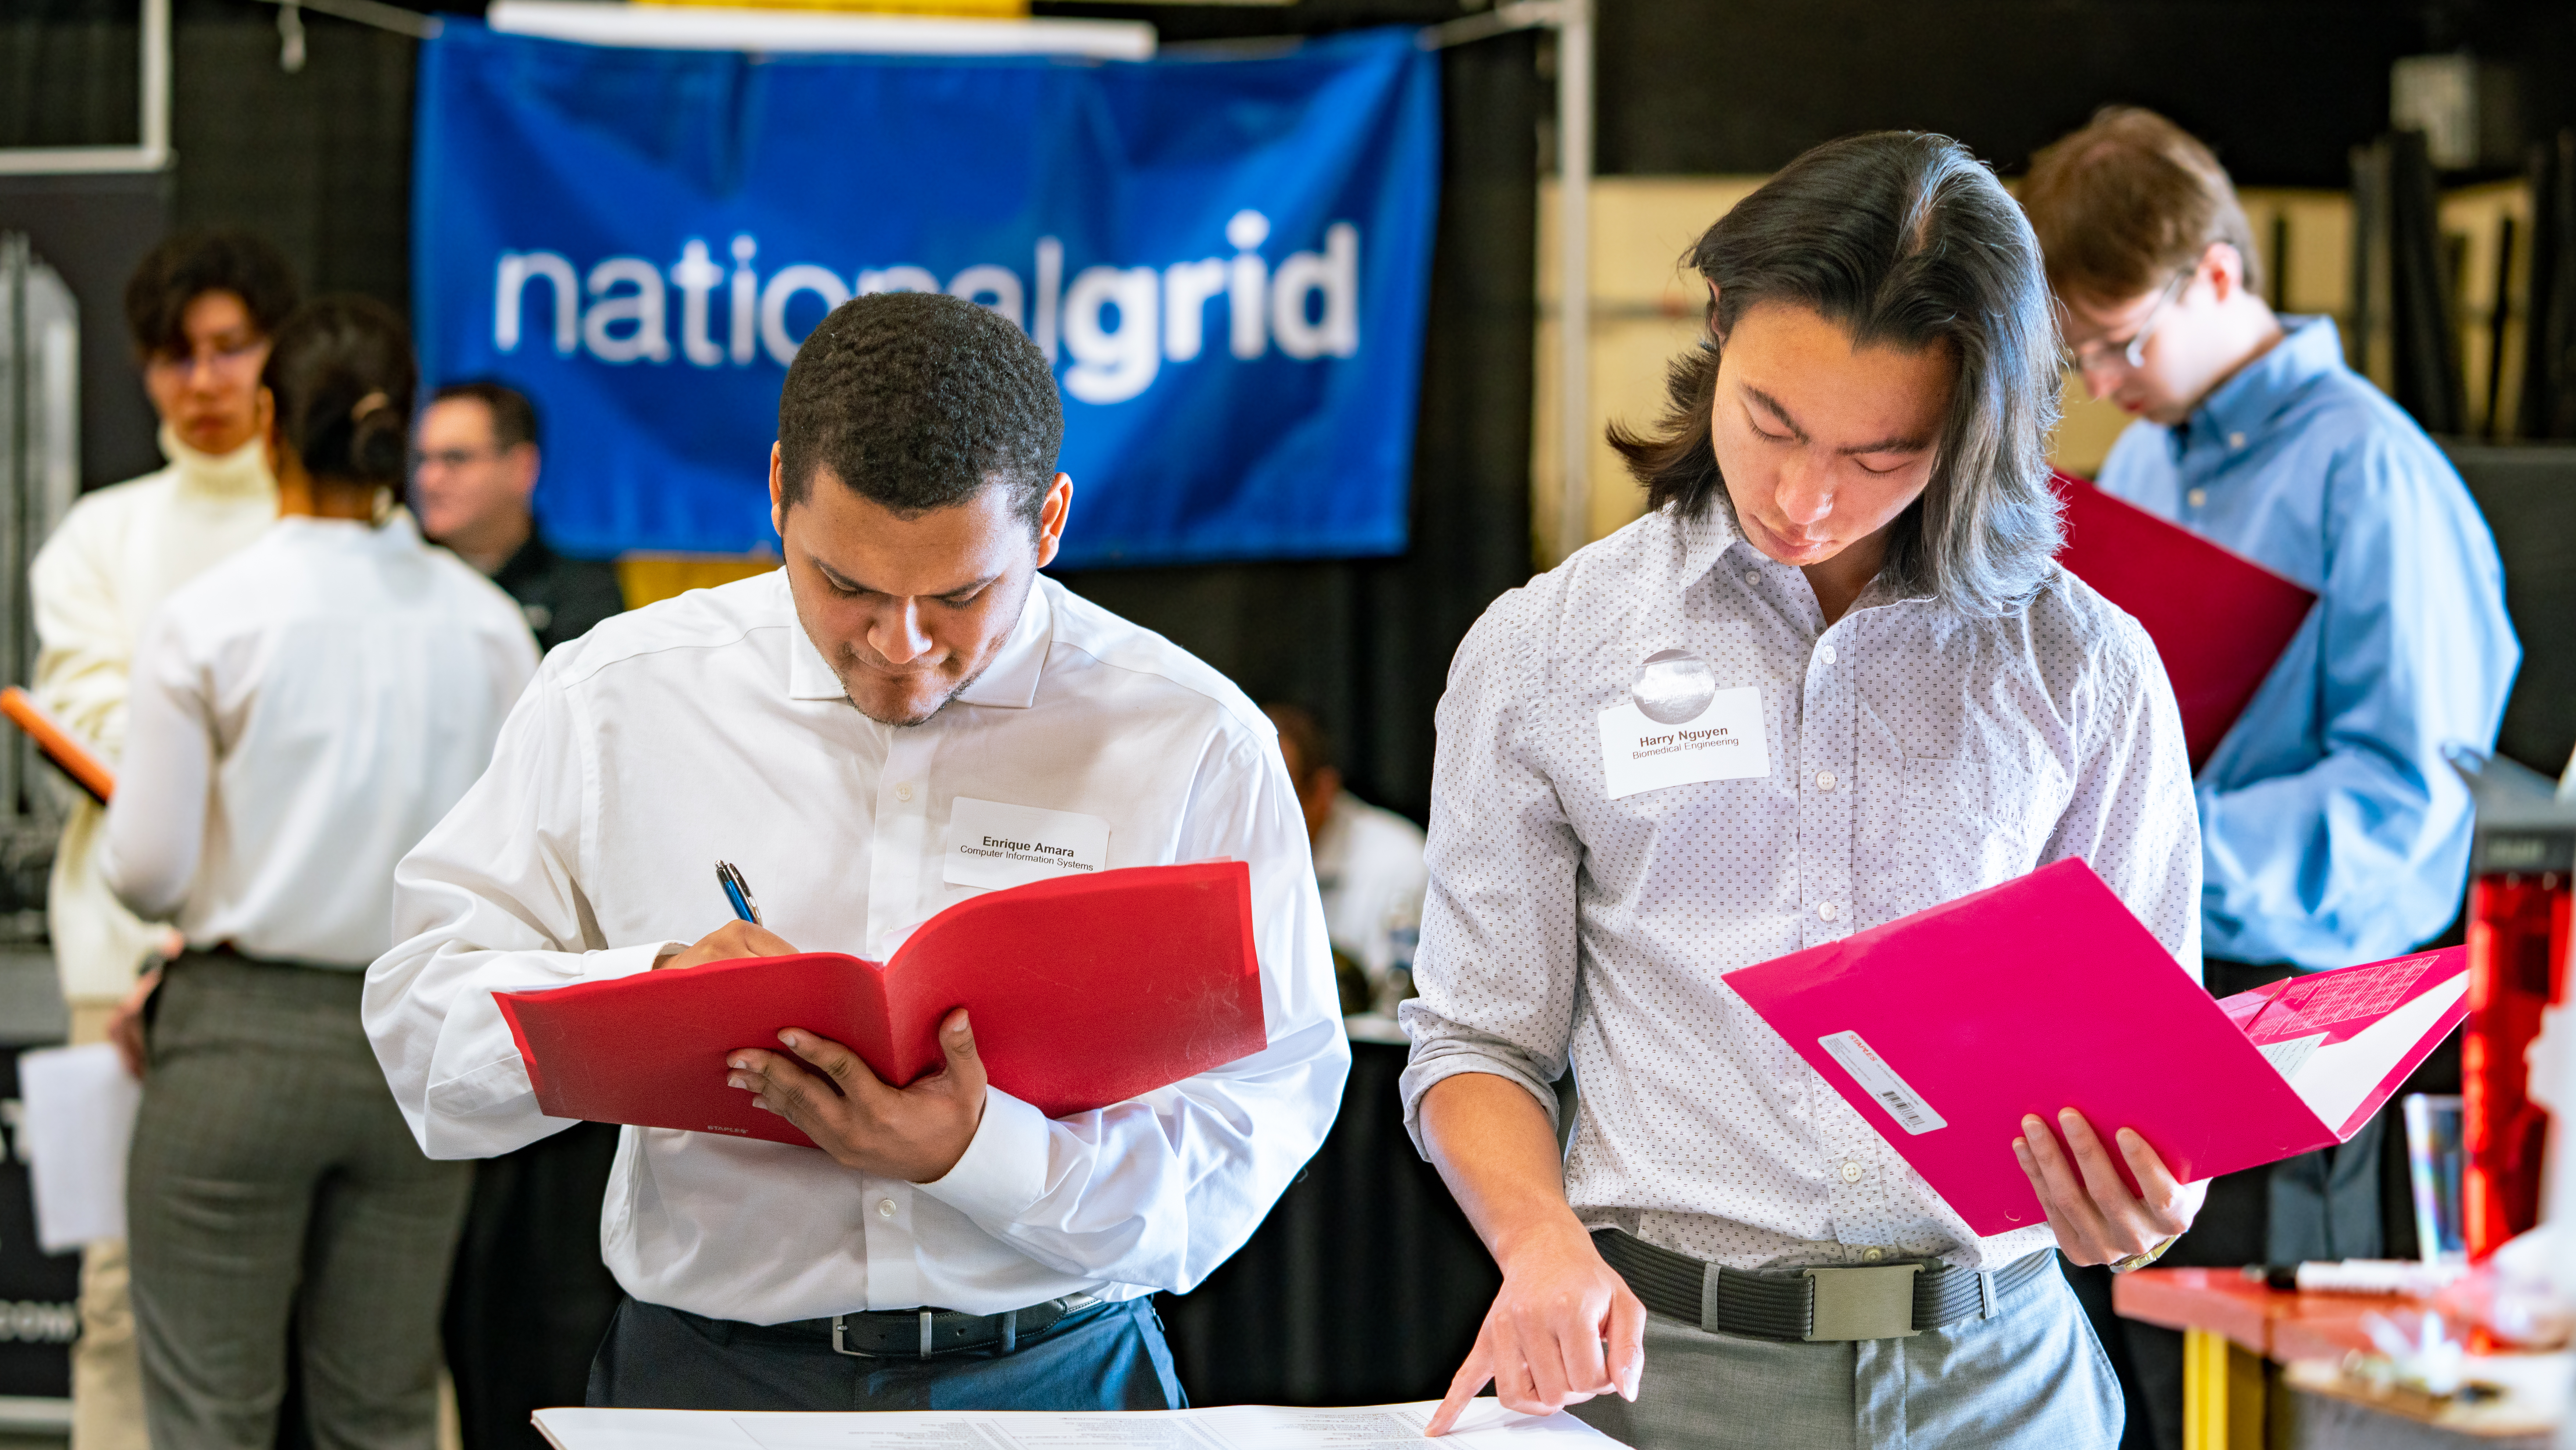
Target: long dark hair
(342, 375)
(1904, 239)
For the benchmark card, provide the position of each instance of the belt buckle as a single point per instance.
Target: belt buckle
(840, 1347)
(1876, 1302)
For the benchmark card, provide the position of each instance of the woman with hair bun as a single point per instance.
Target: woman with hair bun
(303, 713)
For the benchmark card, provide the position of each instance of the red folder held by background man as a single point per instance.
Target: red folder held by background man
(2219, 619)
(1943, 1028)
(1083, 992)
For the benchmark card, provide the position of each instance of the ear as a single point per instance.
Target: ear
(526, 460)
(2224, 266)
(777, 497)
(263, 411)
(1051, 517)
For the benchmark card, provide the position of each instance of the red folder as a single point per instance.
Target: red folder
(1084, 992)
(2219, 619)
(1943, 1028)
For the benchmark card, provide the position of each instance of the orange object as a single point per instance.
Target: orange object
(67, 753)
(2279, 1324)
(1082, 992)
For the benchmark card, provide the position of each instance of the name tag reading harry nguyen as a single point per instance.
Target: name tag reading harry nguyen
(995, 845)
(1722, 742)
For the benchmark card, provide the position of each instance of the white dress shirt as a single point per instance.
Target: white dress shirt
(303, 713)
(106, 567)
(707, 727)
(1368, 864)
(1915, 756)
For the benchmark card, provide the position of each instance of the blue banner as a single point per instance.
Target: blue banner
(1226, 258)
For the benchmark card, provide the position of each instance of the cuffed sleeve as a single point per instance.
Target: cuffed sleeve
(1498, 962)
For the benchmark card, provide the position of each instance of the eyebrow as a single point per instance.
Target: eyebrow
(1884, 445)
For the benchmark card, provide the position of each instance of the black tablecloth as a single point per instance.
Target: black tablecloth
(1364, 1286)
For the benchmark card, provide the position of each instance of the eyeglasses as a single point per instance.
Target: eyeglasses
(226, 362)
(452, 457)
(2133, 353)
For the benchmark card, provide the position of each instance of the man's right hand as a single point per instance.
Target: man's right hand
(733, 940)
(1541, 1342)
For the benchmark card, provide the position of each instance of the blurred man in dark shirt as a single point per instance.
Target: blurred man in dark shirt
(529, 1298)
(472, 478)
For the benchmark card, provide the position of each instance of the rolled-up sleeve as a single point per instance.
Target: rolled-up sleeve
(490, 901)
(1497, 964)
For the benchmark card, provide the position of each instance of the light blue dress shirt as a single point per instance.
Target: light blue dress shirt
(2332, 830)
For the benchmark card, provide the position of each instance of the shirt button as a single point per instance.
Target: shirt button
(1873, 1255)
(1751, 578)
(1825, 652)
(2235, 440)
(2196, 497)
(903, 792)
(885, 1208)
(1824, 780)
(1825, 909)
(1851, 1172)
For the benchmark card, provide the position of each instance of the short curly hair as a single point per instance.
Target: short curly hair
(918, 401)
(187, 265)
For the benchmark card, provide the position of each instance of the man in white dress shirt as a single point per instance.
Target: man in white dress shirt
(823, 727)
(1848, 558)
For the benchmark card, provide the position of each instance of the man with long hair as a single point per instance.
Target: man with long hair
(1849, 554)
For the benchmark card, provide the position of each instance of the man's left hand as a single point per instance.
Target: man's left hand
(915, 1133)
(2097, 1219)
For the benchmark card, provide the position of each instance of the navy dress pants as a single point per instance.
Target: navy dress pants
(1108, 1357)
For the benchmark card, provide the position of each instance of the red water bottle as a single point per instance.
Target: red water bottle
(2517, 953)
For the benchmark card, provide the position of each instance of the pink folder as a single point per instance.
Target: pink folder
(1943, 1028)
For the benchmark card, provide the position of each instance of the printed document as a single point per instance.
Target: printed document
(80, 1106)
(1486, 1425)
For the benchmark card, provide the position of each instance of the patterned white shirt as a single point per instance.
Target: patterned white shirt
(1915, 755)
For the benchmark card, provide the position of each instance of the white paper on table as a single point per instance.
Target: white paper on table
(1485, 1425)
(79, 1105)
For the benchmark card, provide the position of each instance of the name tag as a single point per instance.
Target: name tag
(994, 845)
(1722, 742)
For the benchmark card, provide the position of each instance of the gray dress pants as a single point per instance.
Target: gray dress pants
(2031, 1378)
(272, 1177)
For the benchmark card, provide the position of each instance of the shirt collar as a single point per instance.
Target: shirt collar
(1009, 682)
(2248, 401)
(1707, 535)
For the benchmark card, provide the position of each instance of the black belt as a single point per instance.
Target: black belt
(1874, 1301)
(923, 1333)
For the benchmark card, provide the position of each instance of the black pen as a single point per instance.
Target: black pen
(737, 891)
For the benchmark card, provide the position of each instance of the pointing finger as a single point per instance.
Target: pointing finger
(1470, 1378)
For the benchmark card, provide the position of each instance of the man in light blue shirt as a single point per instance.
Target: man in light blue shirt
(2333, 830)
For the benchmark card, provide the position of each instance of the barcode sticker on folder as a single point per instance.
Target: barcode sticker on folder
(1880, 1081)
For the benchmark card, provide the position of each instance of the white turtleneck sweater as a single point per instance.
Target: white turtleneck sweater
(118, 554)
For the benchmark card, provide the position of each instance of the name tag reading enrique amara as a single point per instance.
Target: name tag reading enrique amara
(991, 844)
(1722, 742)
